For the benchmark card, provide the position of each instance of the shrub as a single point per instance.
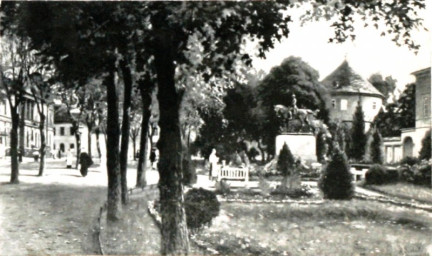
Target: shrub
(285, 161)
(392, 176)
(376, 175)
(301, 192)
(377, 156)
(253, 153)
(422, 174)
(201, 207)
(425, 152)
(406, 173)
(419, 174)
(321, 146)
(222, 188)
(336, 181)
(409, 160)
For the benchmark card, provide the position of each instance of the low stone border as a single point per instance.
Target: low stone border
(98, 228)
(383, 199)
(401, 197)
(269, 201)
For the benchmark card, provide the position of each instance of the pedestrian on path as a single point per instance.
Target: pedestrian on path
(213, 160)
(69, 159)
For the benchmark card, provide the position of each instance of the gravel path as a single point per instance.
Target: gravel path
(54, 214)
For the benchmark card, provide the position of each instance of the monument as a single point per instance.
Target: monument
(297, 131)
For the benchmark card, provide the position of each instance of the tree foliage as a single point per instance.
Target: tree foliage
(358, 135)
(397, 115)
(385, 86)
(285, 163)
(336, 180)
(179, 37)
(425, 151)
(376, 153)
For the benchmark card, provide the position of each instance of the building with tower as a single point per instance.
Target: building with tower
(346, 89)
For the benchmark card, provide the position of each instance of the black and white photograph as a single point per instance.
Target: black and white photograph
(267, 127)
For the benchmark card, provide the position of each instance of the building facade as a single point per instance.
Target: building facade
(409, 143)
(32, 136)
(346, 90)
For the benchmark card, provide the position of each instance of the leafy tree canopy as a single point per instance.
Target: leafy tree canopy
(385, 86)
(397, 115)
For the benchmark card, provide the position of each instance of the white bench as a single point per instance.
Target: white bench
(358, 174)
(233, 173)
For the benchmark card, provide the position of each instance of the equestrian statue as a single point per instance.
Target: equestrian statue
(286, 114)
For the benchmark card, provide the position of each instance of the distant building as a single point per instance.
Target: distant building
(409, 143)
(32, 138)
(346, 89)
(65, 140)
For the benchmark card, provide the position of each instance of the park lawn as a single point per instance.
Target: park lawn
(406, 191)
(332, 228)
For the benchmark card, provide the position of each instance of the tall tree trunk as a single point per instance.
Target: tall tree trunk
(89, 139)
(125, 131)
(14, 147)
(78, 143)
(21, 140)
(112, 145)
(43, 144)
(97, 132)
(134, 147)
(174, 230)
(145, 89)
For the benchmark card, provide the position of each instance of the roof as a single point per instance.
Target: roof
(345, 80)
(422, 71)
(61, 115)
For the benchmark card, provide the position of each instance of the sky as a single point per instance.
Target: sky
(369, 53)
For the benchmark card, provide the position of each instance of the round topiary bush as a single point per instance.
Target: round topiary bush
(376, 175)
(201, 207)
(336, 180)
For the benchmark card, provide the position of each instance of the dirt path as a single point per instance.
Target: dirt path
(48, 220)
(54, 214)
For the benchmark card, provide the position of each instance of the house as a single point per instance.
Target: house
(346, 89)
(409, 143)
(32, 137)
(65, 140)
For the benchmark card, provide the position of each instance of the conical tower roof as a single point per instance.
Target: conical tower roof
(345, 80)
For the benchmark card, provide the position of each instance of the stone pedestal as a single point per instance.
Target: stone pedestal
(301, 145)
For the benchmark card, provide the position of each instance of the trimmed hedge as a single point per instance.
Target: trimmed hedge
(376, 175)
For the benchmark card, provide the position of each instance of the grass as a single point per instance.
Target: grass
(406, 191)
(333, 228)
(135, 233)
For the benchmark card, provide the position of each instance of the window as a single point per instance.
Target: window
(72, 131)
(333, 102)
(62, 131)
(62, 147)
(426, 106)
(374, 105)
(72, 146)
(54, 146)
(344, 104)
(54, 131)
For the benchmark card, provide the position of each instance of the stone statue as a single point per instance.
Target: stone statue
(287, 114)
